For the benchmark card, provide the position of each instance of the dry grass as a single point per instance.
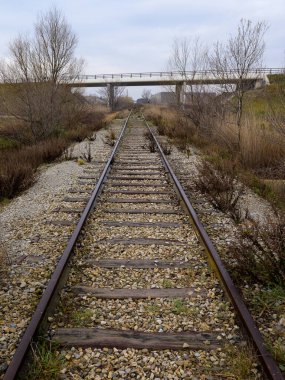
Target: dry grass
(242, 363)
(261, 146)
(47, 361)
(172, 123)
(18, 165)
(278, 187)
(165, 119)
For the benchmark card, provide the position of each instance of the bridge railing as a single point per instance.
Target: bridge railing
(177, 75)
(186, 74)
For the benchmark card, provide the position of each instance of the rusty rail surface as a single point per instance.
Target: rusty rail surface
(55, 283)
(269, 365)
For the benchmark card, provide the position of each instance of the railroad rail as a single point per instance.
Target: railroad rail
(134, 259)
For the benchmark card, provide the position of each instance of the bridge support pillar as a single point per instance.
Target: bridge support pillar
(259, 83)
(111, 96)
(178, 94)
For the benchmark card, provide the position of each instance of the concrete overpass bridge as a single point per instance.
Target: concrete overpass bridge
(254, 79)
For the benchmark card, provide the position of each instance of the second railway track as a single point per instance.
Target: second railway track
(140, 300)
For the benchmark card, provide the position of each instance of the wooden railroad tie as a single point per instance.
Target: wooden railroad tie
(138, 184)
(135, 200)
(131, 173)
(138, 192)
(69, 210)
(100, 338)
(77, 199)
(137, 178)
(138, 264)
(61, 222)
(111, 223)
(136, 168)
(107, 293)
(142, 211)
(141, 241)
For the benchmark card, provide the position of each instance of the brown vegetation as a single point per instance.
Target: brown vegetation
(222, 185)
(18, 165)
(260, 255)
(260, 153)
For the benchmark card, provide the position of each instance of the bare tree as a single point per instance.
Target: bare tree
(111, 95)
(54, 48)
(146, 95)
(239, 56)
(179, 59)
(189, 57)
(42, 66)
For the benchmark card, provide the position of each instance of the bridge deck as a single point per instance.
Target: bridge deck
(168, 78)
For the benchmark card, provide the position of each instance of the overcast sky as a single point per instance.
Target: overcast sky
(136, 35)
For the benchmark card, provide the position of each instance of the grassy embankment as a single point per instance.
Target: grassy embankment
(260, 160)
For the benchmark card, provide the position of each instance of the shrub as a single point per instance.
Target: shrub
(166, 149)
(260, 255)
(110, 138)
(15, 176)
(221, 185)
(18, 165)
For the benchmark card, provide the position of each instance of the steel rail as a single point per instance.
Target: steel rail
(54, 284)
(269, 365)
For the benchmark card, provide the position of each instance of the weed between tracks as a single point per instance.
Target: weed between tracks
(242, 363)
(47, 361)
(82, 317)
(278, 352)
(151, 145)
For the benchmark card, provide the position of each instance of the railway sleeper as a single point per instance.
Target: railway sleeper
(101, 338)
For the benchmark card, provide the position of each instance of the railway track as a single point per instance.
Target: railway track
(138, 298)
